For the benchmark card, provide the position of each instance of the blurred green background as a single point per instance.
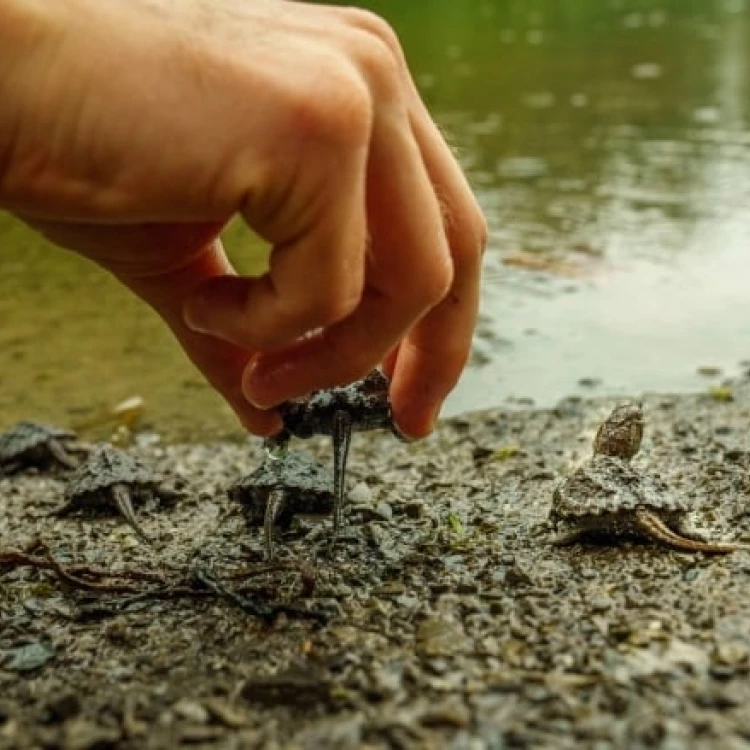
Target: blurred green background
(608, 144)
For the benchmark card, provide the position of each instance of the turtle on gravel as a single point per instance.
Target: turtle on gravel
(30, 444)
(362, 405)
(110, 477)
(607, 497)
(286, 485)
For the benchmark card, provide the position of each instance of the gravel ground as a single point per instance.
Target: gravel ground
(452, 622)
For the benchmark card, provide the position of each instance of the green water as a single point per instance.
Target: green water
(608, 143)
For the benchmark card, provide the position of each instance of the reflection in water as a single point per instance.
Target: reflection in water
(608, 143)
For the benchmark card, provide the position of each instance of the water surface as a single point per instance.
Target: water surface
(608, 143)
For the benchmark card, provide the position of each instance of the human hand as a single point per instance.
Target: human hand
(137, 129)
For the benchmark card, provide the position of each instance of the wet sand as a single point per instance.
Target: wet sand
(452, 621)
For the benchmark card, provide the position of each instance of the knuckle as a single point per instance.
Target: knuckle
(343, 115)
(434, 284)
(323, 309)
(443, 279)
(376, 50)
(470, 236)
(481, 232)
(377, 63)
(336, 307)
(376, 26)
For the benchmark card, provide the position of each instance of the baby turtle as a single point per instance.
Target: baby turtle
(110, 477)
(282, 487)
(363, 405)
(33, 444)
(607, 497)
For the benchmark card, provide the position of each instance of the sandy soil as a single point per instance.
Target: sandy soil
(451, 621)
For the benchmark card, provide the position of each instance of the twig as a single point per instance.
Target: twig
(207, 585)
(17, 557)
(254, 605)
(67, 577)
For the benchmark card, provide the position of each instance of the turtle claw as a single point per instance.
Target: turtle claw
(273, 507)
(125, 506)
(342, 436)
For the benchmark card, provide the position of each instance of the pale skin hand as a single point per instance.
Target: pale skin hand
(132, 130)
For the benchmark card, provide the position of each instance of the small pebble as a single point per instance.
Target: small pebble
(191, 710)
(360, 494)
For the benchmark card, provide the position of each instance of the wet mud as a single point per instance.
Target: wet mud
(443, 617)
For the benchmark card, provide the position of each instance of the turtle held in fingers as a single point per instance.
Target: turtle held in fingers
(362, 405)
(607, 497)
(110, 478)
(286, 485)
(30, 444)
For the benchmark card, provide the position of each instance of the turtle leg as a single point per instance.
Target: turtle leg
(10, 468)
(652, 527)
(122, 499)
(569, 537)
(58, 452)
(342, 436)
(274, 503)
(277, 445)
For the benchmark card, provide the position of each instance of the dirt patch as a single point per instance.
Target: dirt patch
(450, 619)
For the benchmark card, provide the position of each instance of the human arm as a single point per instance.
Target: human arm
(133, 131)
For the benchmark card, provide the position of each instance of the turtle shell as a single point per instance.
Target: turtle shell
(26, 436)
(107, 466)
(607, 484)
(306, 482)
(366, 401)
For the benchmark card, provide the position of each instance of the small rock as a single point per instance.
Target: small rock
(452, 714)
(381, 512)
(440, 636)
(601, 604)
(226, 714)
(391, 588)
(30, 657)
(190, 710)
(731, 653)
(384, 510)
(360, 494)
(83, 735)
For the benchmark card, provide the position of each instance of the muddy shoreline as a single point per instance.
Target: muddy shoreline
(452, 622)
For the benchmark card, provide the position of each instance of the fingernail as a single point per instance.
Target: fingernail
(191, 314)
(420, 424)
(256, 384)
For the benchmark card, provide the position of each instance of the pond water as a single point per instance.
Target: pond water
(608, 143)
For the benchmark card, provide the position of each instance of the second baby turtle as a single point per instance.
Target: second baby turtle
(362, 405)
(33, 444)
(111, 478)
(608, 497)
(290, 484)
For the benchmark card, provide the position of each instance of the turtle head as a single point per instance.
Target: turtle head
(621, 433)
